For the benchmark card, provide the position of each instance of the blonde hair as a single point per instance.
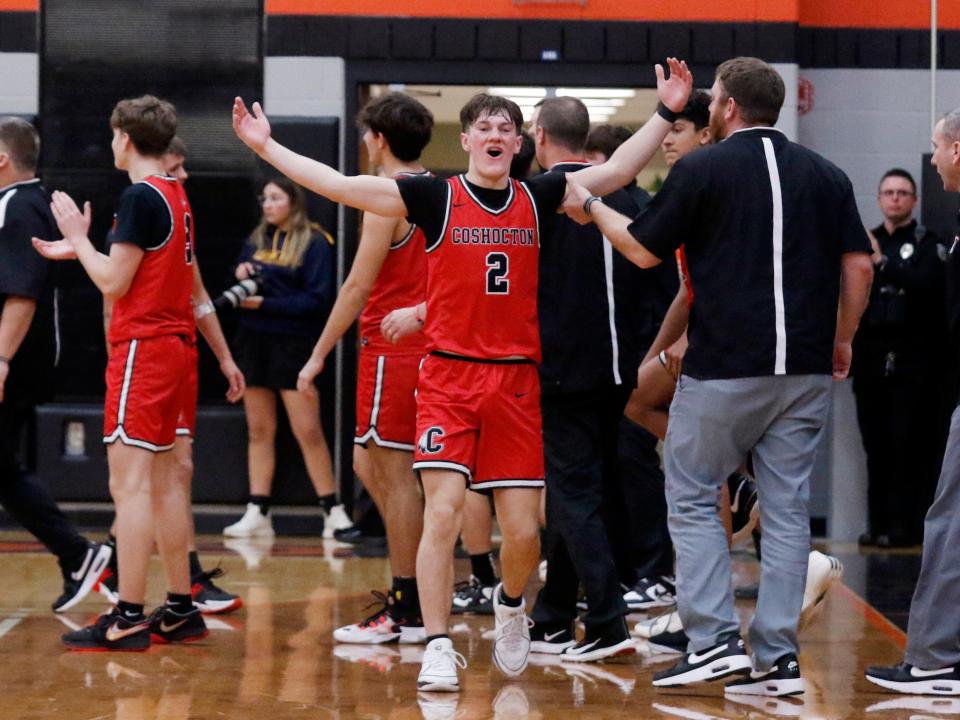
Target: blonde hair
(300, 228)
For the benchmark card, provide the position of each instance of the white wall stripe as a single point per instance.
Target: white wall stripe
(780, 358)
(611, 309)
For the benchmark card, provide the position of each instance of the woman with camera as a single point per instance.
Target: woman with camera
(291, 261)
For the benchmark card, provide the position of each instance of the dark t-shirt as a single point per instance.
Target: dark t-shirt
(426, 198)
(764, 222)
(25, 213)
(142, 218)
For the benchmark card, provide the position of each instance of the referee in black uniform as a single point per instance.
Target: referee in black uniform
(780, 266)
(29, 347)
(588, 295)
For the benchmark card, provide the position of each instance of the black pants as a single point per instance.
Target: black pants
(25, 499)
(642, 539)
(583, 476)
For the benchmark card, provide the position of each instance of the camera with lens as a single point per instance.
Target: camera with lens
(234, 295)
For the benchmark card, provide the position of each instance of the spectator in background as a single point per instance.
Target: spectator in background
(292, 260)
(601, 142)
(522, 164)
(899, 367)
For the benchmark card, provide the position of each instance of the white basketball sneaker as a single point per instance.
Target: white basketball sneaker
(253, 524)
(336, 519)
(511, 645)
(438, 671)
(822, 572)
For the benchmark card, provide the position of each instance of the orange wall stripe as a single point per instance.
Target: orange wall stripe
(19, 5)
(655, 10)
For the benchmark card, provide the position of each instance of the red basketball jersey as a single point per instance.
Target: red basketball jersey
(482, 277)
(402, 282)
(158, 300)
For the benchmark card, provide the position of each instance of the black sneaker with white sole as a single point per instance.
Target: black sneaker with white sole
(909, 679)
(80, 579)
(547, 639)
(725, 658)
(780, 680)
(650, 593)
(669, 642)
(612, 642)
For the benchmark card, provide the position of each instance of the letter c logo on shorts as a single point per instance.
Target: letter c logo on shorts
(430, 440)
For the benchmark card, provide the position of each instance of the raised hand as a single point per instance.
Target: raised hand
(73, 224)
(56, 250)
(252, 129)
(675, 91)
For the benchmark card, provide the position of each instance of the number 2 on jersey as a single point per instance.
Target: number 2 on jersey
(498, 265)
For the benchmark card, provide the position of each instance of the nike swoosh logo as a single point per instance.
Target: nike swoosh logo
(583, 648)
(78, 575)
(698, 658)
(115, 633)
(548, 637)
(917, 672)
(170, 628)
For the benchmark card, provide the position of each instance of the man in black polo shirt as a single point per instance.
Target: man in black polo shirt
(587, 303)
(774, 243)
(931, 663)
(29, 347)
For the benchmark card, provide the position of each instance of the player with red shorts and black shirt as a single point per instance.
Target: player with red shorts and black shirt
(148, 275)
(479, 386)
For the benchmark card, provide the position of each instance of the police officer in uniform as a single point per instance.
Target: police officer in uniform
(898, 365)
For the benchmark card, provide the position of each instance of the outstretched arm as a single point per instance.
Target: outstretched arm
(364, 192)
(633, 155)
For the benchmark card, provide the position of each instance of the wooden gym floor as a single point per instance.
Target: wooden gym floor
(275, 658)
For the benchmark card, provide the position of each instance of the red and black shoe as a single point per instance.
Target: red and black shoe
(386, 625)
(210, 599)
(111, 632)
(169, 626)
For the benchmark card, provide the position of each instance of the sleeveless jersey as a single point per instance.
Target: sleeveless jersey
(402, 282)
(158, 300)
(684, 273)
(482, 277)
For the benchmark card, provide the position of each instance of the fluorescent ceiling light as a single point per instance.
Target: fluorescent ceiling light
(603, 102)
(515, 92)
(584, 93)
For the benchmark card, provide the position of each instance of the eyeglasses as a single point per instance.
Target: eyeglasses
(896, 193)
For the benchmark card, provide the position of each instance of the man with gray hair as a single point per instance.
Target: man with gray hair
(779, 263)
(931, 664)
(29, 348)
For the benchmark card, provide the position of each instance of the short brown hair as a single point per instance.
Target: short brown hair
(177, 147)
(755, 85)
(484, 104)
(566, 121)
(606, 138)
(150, 122)
(404, 121)
(22, 142)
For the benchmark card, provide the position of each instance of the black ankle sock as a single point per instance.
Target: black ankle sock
(509, 601)
(481, 566)
(328, 501)
(406, 597)
(262, 502)
(130, 611)
(179, 603)
(431, 638)
(195, 567)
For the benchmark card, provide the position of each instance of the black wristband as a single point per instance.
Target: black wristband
(666, 113)
(588, 202)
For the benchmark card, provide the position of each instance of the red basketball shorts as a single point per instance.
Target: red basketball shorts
(482, 419)
(150, 382)
(386, 400)
(187, 418)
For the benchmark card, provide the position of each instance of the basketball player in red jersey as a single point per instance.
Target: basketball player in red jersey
(389, 271)
(148, 275)
(478, 411)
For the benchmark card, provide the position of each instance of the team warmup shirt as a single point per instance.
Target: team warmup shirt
(482, 260)
(402, 282)
(154, 215)
(767, 278)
